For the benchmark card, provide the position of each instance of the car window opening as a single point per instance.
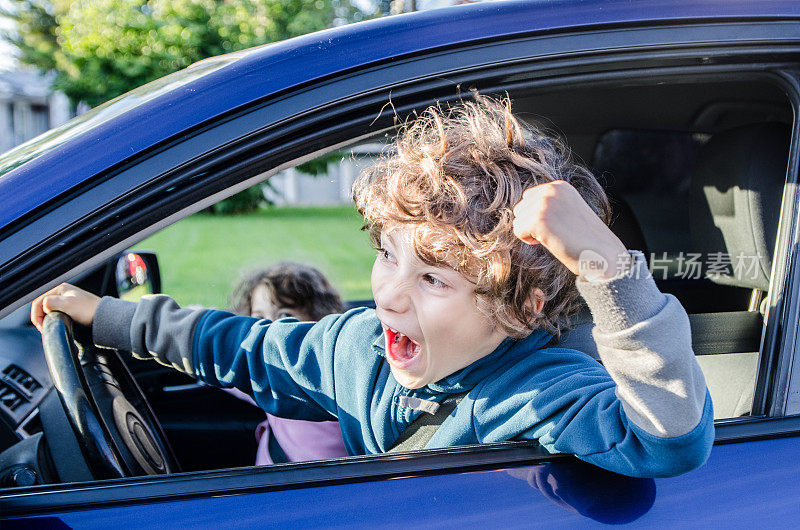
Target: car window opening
(673, 196)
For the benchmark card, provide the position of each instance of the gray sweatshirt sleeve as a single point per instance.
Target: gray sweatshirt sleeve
(155, 328)
(644, 341)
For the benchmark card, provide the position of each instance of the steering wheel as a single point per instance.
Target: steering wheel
(116, 430)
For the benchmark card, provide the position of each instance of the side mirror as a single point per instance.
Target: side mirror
(136, 274)
(128, 275)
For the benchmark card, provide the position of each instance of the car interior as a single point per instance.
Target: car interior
(695, 169)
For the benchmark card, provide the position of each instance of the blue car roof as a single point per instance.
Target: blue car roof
(49, 166)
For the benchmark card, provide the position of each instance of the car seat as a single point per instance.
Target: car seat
(735, 197)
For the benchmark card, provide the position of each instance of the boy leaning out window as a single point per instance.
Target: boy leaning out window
(484, 228)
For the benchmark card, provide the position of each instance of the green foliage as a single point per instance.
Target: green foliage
(247, 200)
(35, 32)
(319, 166)
(100, 49)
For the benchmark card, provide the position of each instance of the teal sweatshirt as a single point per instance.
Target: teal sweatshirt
(524, 390)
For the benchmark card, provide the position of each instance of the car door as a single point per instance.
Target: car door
(751, 469)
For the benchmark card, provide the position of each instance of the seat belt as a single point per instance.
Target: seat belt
(421, 430)
(712, 333)
(729, 332)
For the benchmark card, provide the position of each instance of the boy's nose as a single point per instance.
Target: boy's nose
(392, 296)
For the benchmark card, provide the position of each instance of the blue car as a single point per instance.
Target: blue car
(686, 112)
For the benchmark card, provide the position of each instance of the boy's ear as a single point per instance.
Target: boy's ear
(535, 301)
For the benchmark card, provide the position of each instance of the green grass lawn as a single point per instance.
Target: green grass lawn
(201, 256)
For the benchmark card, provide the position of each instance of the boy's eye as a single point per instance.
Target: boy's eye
(384, 254)
(433, 281)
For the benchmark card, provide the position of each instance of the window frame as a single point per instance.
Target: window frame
(773, 382)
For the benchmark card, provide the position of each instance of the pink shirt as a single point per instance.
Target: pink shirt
(300, 440)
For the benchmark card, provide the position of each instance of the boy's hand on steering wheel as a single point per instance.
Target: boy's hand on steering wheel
(555, 215)
(80, 305)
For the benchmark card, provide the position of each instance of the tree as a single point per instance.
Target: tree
(34, 34)
(100, 49)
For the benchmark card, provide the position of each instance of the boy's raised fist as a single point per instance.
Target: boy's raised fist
(555, 215)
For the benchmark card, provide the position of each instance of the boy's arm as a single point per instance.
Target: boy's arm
(642, 335)
(155, 328)
(655, 417)
(644, 341)
(285, 366)
(646, 413)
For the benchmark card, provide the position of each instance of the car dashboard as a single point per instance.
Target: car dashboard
(24, 379)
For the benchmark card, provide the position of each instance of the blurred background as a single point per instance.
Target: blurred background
(60, 59)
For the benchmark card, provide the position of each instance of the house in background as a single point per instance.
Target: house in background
(28, 107)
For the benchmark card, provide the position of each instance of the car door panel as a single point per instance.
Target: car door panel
(733, 485)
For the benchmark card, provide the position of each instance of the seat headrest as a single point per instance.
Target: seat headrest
(735, 198)
(625, 225)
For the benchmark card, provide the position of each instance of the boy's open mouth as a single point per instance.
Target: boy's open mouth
(400, 349)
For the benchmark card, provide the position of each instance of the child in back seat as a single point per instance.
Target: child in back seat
(482, 226)
(289, 290)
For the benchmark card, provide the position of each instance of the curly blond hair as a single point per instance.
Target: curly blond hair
(454, 178)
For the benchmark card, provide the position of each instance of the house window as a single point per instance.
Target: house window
(40, 119)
